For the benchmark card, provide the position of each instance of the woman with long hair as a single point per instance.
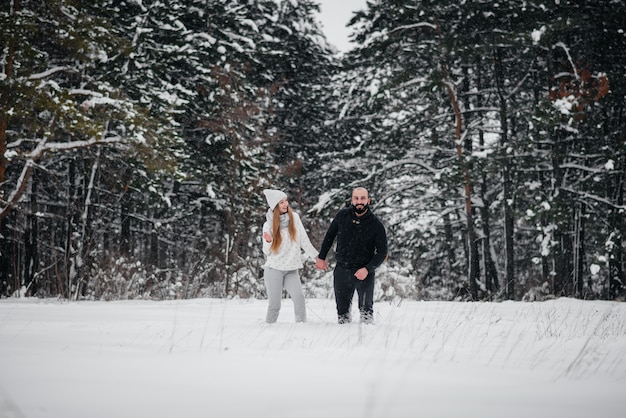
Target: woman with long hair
(284, 240)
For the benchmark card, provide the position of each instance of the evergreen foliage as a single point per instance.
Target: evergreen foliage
(136, 137)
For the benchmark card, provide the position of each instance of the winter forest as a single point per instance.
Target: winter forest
(136, 137)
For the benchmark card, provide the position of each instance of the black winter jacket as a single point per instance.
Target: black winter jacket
(361, 241)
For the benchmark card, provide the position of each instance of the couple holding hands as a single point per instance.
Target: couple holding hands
(361, 248)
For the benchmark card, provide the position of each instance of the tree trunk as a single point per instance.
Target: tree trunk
(472, 265)
(4, 118)
(491, 272)
(5, 253)
(617, 283)
(509, 224)
(69, 270)
(563, 270)
(579, 250)
(86, 235)
(31, 259)
(125, 221)
(449, 239)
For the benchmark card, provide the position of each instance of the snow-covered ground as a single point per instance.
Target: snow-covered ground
(217, 358)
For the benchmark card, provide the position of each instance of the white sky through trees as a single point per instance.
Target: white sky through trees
(334, 16)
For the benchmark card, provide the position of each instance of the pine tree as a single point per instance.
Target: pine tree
(60, 104)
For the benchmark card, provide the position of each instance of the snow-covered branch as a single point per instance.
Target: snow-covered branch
(32, 156)
(569, 57)
(583, 168)
(413, 26)
(64, 146)
(49, 72)
(85, 92)
(598, 199)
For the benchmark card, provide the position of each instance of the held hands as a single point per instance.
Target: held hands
(267, 237)
(361, 273)
(321, 264)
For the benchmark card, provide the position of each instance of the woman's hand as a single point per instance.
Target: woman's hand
(321, 264)
(267, 237)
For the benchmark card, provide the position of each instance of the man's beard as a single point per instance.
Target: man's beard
(360, 209)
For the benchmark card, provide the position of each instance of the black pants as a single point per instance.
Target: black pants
(345, 284)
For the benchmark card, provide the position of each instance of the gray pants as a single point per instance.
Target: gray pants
(275, 281)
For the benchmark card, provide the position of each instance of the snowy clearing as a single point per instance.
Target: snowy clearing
(209, 357)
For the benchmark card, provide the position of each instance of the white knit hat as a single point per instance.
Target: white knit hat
(273, 197)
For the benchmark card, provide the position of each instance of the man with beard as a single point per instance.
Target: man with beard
(361, 248)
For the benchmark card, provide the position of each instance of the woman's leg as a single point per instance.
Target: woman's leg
(294, 288)
(274, 287)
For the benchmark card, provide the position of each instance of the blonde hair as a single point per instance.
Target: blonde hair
(276, 238)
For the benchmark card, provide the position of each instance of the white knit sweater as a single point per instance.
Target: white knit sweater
(289, 255)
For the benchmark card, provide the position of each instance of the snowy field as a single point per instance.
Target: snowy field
(217, 358)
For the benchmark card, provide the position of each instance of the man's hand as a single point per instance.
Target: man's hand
(321, 264)
(267, 237)
(361, 273)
